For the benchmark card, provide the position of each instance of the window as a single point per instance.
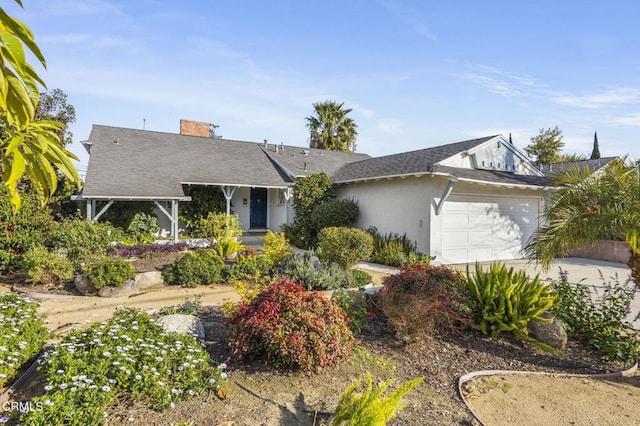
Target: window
(281, 198)
(499, 145)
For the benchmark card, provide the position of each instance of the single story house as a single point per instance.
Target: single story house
(479, 199)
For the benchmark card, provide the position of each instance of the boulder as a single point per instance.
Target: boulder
(127, 288)
(183, 324)
(552, 333)
(84, 286)
(149, 279)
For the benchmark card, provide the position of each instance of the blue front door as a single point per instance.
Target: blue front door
(258, 214)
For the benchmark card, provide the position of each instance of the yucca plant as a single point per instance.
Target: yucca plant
(370, 408)
(506, 300)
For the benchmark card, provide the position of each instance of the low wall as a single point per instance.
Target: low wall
(609, 251)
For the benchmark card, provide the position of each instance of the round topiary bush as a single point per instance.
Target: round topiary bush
(110, 272)
(290, 328)
(344, 246)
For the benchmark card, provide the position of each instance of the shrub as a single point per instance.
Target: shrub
(125, 360)
(110, 272)
(302, 269)
(275, 247)
(395, 250)
(354, 304)
(423, 299)
(81, 241)
(204, 200)
(505, 300)
(335, 213)
(344, 246)
(218, 227)
(248, 267)
(192, 269)
(142, 228)
(228, 248)
(121, 213)
(370, 407)
(359, 278)
(598, 320)
(309, 192)
(290, 328)
(22, 334)
(43, 266)
(18, 233)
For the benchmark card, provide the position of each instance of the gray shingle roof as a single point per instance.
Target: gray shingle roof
(134, 163)
(405, 163)
(306, 161)
(553, 169)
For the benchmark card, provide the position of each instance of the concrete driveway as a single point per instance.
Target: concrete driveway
(585, 271)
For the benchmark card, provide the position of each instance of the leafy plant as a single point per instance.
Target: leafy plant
(142, 227)
(110, 272)
(359, 278)
(81, 241)
(423, 299)
(313, 275)
(188, 307)
(395, 250)
(193, 269)
(506, 300)
(248, 267)
(330, 213)
(309, 192)
(275, 247)
(122, 213)
(145, 250)
(126, 359)
(43, 266)
(204, 200)
(598, 318)
(228, 248)
(218, 227)
(354, 304)
(22, 334)
(370, 407)
(344, 246)
(290, 328)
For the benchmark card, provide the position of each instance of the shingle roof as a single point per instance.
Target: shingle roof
(405, 163)
(495, 176)
(306, 161)
(147, 164)
(553, 169)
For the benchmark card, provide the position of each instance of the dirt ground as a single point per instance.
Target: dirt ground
(257, 395)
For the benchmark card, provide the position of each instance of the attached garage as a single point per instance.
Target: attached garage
(482, 228)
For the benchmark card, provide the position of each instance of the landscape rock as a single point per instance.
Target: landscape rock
(127, 288)
(552, 333)
(84, 286)
(183, 324)
(149, 279)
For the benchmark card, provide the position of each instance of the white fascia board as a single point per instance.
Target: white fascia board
(509, 185)
(239, 185)
(127, 198)
(387, 177)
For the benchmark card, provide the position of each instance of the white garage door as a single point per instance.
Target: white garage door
(486, 228)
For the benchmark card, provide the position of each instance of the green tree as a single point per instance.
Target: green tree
(595, 154)
(330, 127)
(53, 106)
(545, 147)
(27, 146)
(587, 207)
(570, 158)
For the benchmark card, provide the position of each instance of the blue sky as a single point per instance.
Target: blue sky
(415, 73)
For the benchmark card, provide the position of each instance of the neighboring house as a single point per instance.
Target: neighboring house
(256, 178)
(473, 200)
(553, 169)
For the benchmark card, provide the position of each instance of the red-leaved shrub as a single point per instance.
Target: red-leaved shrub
(290, 328)
(424, 299)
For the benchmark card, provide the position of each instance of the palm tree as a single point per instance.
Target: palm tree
(330, 127)
(588, 207)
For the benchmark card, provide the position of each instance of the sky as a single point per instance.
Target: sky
(415, 73)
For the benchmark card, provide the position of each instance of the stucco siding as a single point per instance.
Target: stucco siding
(394, 206)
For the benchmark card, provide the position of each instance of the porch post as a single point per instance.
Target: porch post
(288, 193)
(174, 213)
(90, 209)
(228, 194)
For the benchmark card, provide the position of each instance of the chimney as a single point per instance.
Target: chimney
(265, 143)
(195, 128)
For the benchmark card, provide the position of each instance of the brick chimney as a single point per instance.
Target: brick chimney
(195, 128)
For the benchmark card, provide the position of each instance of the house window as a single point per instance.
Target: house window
(281, 199)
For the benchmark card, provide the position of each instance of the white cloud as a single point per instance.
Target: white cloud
(391, 126)
(611, 97)
(626, 120)
(503, 83)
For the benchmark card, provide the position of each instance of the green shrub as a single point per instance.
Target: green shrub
(110, 272)
(359, 278)
(45, 267)
(309, 193)
(121, 213)
(598, 321)
(142, 228)
(275, 247)
(355, 305)
(395, 250)
(302, 269)
(370, 407)
(505, 300)
(248, 267)
(218, 227)
(424, 299)
(126, 360)
(290, 328)
(81, 241)
(204, 200)
(344, 246)
(19, 232)
(22, 334)
(333, 213)
(193, 269)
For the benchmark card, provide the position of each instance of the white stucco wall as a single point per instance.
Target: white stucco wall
(394, 206)
(277, 213)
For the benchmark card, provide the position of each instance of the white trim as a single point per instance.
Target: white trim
(475, 194)
(401, 175)
(119, 198)
(507, 185)
(240, 185)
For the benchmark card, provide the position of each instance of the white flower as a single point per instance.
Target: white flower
(222, 366)
(48, 387)
(223, 375)
(106, 388)
(212, 381)
(60, 371)
(112, 381)
(63, 386)
(138, 377)
(107, 354)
